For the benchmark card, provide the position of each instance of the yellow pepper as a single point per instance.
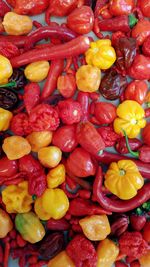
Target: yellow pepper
(5, 118)
(55, 202)
(88, 78)
(49, 156)
(6, 69)
(101, 54)
(130, 118)
(38, 140)
(37, 71)
(95, 227)
(61, 260)
(56, 176)
(6, 224)
(107, 253)
(40, 212)
(123, 179)
(145, 259)
(16, 198)
(30, 227)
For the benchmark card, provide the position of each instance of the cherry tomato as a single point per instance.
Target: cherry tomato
(146, 231)
(105, 113)
(145, 7)
(136, 90)
(146, 135)
(81, 20)
(121, 7)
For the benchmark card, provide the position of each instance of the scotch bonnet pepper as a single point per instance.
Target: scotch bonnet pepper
(56, 176)
(5, 69)
(5, 119)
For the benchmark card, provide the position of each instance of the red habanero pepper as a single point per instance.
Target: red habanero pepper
(135, 264)
(145, 7)
(89, 138)
(57, 225)
(8, 167)
(140, 68)
(72, 48)
(116, 36)
(122, 23)
(69, 111)
(113, 205)
(137, 221)
(136, 90)
(80, 163)
(121, 146)
(146, 47)
(108, 135)
(99, 5)
(20, 124)
(83, 207)
(83, 99)
(65, 138)
(4, 8)
(141, 31)
(66, 85)
(121, 7)
(30, 7)
(119, 225)
(50, 85)
(105, 112)
(31, 96)
(82, 252)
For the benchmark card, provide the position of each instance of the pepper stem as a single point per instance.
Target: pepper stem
(135, 154)
(11, 84)
(132, 20)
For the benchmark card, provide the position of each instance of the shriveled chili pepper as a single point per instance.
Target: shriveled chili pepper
(108, 135)
(31, 96)
(50, 85)
(74, 47)
(140, 68)
(141, 31)
(118, 205)
(57, 225)
(146, 47)
(121, 146)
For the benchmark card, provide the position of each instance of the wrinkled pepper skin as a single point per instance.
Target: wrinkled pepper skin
(29, 7)
(30, 227)
(56, 176)
(6, 224)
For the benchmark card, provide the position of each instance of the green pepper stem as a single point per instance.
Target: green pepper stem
(11, 84)
(100, 152)
(132, 20)
(135, 154)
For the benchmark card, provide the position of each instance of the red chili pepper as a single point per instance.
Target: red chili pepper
(6, 254)
(20, 124)
(1, 254)
(73, 48)
(118, 205)
(99, 5)
(30, 7)
(141, 31)
(137, 221)
(146, 47)
(20, 241)
(83, 99)
(116, 36)
(85, 194)
(120, 264)
(13, 181)
(4, 8)
(31, 96)
(80, 163)
(66, 85)
(71, 183)
(140, 68)
(8, 49)
(105, 112)
(57, 225)
(119, 224)
(8, 167)
(117, 7)
(67, 192)
(89, 138)
(121, 146)
(50, 85)
(83, 207)
(69, 111)
(19, 41)
(108, 135)
(145, 7)
(135, 264)
(136, 90)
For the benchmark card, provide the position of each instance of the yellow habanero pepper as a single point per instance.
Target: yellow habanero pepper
(145, 259)
(61, 260)
(123, 179)
(37, 71)
(101, 54)
(6, 224)
(40, 212)
(5, 118)
(95, 227)
(55, 202)
(107, 253)
(6, 69)
(130, 118)
(16, 198)
(56, 176)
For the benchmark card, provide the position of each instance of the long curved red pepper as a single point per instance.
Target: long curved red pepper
(118, 205)
(73, 48)
(19, 41)
(83, 99)
(50, 85)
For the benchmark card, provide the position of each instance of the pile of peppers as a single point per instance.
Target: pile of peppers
(75, 149)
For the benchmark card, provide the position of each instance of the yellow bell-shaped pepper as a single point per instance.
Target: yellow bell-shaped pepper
(16, 198)
(55, 202)
(101, 54)
(40, 212)
(130, 118)
(107, 253)
(95, 227)
(61, 260)
(6, 69)
(123, 179)
(5, 118)
(56, 176)
(30, 227)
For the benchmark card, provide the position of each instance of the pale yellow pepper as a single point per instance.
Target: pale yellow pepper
(88, 78)
(123, 179)
(37, 71)
(61, 260)
(6, 224)
(101, 54)
(40, 212)
(55, 202)
(107, 253)
(5, 118)
(95, 227)
(145, 260)
(130, 118)
(56, 176)
(6, 69)
(38, 140)
(16, 198)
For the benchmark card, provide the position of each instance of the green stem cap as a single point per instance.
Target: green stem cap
(135, 154)
(132, 20)
(11, 84)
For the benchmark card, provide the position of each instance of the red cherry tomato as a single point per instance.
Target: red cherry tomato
(146, 134)
(121, 7)
(146, 232)
(81, 20)
(136, 90)
(105, 113)
(145, 7)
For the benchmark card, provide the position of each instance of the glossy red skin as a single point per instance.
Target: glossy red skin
(146, 232)
(141, 31)
(80, 164)
(145, 7)
(121, 147)
(146, 134)
(137, 222)
(136, 91)
(121, 7)
(105, 112)
(29, 7)
(61, 8)
(146, 47)
(81, 20)
(65, 138)
(8, 167)
(140, 68)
